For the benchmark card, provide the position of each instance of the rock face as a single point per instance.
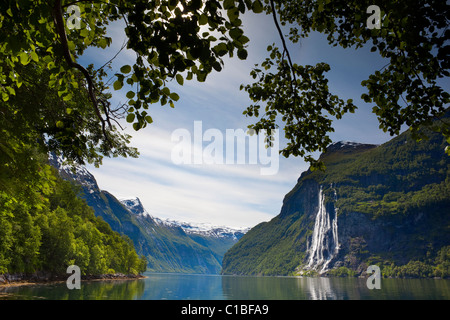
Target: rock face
(386, 205)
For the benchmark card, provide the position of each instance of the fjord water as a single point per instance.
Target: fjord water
(215, 287)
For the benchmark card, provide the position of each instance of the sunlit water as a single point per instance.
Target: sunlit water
(216, 287)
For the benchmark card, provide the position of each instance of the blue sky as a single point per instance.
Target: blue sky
(227, 194)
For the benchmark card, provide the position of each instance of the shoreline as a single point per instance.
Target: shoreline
(30, 280)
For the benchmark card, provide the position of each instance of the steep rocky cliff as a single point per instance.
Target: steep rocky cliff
(386, 205)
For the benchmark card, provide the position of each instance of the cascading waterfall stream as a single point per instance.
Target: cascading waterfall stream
(324, 245)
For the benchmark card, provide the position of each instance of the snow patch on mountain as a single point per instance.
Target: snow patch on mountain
(74, 171)
(344, 143)
(207, 229)
(134, 205)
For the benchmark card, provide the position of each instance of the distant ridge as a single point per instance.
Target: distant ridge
(165, 244)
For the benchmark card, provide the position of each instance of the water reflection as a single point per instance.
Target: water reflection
(215, 287)
(319, 289)
(182, 287)
(280, 288)
(288, 288)
(92, 290)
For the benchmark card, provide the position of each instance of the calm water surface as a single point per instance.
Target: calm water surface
(216, 287)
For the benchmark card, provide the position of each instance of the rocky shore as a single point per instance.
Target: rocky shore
(46, 277)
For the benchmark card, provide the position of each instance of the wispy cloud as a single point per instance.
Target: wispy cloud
(235, 195)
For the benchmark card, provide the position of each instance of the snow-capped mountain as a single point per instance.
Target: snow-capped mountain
(134, 205)
(74, 172)
(347, 147)
(207, 229)
(204, 229)
(168, 245)
(346, 144)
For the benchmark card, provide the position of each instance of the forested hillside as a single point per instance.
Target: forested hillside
(386, 205)
(44, 226)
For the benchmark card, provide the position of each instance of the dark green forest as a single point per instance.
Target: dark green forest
(44, 225)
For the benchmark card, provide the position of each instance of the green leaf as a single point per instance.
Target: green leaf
(84, 32)
(243, 39)
(103, 43)
(174, 96)
(11, 91)
(180, 79)
(148, 119)
(235, 33)
(257, 7)
(60, 124)
(67, 97)
(130, 117)
(221, 49)
(201, 77)
(203, 19)
(242, 54)
(320, 7)
(34, 56)
(24, 58)
(233, 14)
(118, 85)
(5, 96)
(228, 4)
(130, 94)
(71, 45)
(125, 69)
(217, 66)
(165, 91)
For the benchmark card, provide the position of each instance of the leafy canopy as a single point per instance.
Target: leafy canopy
(184, 40)
(414, 40)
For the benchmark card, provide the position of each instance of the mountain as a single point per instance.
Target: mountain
(209, 230)
(168, 246)
(218, 239)
(385, 205)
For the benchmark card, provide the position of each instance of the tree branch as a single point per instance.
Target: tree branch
(274, 14)
(285, 50)
(125, 43)
(61, 31)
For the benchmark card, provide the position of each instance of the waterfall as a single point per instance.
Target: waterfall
(324, 245)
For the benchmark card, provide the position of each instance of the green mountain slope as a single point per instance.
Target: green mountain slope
(386, 205)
